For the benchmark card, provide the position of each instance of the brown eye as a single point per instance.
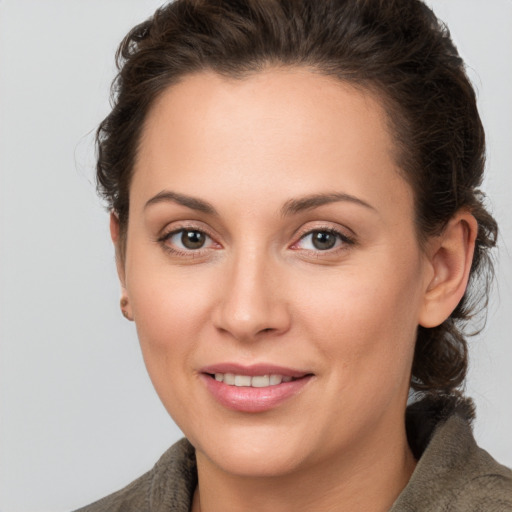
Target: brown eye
(323, 240)
(192, 239)
(188, 242)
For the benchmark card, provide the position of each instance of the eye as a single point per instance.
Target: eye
(322, 240)
(187, 240)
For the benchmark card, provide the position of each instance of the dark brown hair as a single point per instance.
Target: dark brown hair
(395, 48)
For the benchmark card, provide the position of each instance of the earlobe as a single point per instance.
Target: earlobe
(451, 258)
(124, 304)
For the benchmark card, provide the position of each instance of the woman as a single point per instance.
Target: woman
(294, 205)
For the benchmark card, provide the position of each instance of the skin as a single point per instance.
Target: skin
(259, 291)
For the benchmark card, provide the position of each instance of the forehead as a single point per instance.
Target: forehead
(279, 126)
(291, 102)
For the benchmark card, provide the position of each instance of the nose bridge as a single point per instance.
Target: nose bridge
(250, 302)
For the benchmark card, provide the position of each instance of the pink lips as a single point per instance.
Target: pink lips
(253, 399)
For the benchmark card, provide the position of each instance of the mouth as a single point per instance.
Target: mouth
(253, 389)
(253, 381)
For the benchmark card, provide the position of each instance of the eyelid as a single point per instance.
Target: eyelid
(341, 231)
(177, 227)
(347, 240)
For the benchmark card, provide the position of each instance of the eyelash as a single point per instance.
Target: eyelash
(345, 240)
(190, 253)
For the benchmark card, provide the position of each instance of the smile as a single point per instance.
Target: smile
(253, 389)
(255, 381)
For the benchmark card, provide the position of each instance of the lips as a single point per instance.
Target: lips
(255, 388)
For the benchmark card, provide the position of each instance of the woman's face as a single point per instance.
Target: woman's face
(271, 238)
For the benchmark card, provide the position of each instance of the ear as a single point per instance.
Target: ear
(115, 233)
(451, 256)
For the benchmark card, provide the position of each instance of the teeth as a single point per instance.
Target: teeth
(261, 381)
(275, 379)
(229, 378)
(242, 380)
(256, 381)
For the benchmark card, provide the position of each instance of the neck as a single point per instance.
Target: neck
(368, 478)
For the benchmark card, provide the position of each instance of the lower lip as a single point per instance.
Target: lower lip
(249, 399)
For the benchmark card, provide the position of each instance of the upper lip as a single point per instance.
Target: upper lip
(254, 370)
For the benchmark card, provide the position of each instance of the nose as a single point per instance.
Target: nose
(252, 300)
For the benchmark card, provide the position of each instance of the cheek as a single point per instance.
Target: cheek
(165, 316)
(366, 319)
(171, 310)
(170, 313)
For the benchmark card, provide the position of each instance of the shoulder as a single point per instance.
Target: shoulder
(484, 484)
(491, 492)
(453, 473)
(169, 485)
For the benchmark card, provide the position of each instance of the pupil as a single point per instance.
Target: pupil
(323, 240)
(192, 239)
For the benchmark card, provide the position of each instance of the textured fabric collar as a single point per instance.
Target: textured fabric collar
(453, 473)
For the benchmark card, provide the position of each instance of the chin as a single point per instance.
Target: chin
(254, 454)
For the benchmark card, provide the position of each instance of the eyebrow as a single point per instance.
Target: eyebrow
(290, 207)
(190, 202)
(294, 206)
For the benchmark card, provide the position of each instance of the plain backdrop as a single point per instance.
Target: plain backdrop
(79, 418)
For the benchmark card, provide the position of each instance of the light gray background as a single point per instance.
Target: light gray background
(78, 417)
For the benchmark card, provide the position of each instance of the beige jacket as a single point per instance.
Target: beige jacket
(452, 475)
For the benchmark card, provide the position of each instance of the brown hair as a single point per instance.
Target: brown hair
(396, 48)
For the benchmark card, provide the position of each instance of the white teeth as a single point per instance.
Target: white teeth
(242, 380)
(257, 381)
(229, 378)
(261, 381)
(275, 379)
